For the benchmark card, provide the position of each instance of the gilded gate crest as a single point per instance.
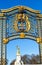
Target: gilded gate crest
(21, 24)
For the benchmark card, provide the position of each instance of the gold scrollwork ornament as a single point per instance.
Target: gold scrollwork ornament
(27, 24)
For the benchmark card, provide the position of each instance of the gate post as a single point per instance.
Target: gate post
(2, 36)
(0, 41)
(39, 40)
(4, 46)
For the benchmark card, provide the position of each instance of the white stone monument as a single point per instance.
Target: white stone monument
(18, 58)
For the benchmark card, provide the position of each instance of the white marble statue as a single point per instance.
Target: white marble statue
(18, 57)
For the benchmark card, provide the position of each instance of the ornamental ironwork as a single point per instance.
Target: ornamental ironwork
(19, 22)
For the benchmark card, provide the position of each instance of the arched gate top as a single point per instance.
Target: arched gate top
(21, 22)
(19, 7)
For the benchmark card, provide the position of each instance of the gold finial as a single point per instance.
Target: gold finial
(39, 40)
(5, 40)
(21, 8)
(22, 35)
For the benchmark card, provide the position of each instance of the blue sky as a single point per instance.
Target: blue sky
(26, 46)
(35, 4)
